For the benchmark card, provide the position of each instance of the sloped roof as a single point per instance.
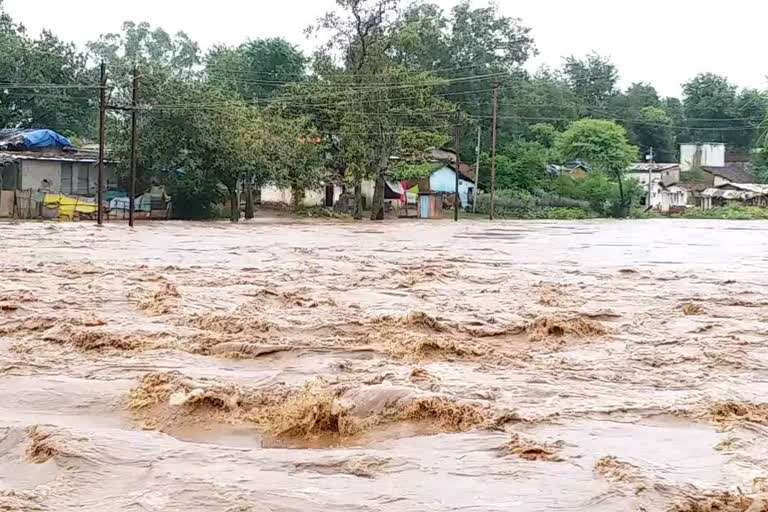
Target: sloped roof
(694, 186)
(7, 157)
(731, 172)
(657, 167)
(741, 191)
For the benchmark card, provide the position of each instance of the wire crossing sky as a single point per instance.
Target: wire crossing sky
(659, 41)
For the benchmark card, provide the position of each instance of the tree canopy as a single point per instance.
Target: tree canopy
(386, 79)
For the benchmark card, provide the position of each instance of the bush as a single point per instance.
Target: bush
(728, 213)
(601, 193)
(523, 205)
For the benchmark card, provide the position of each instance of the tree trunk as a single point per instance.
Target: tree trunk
(298, 198)
(234, 205)
(248, 199)
(377, 208)
(622, 204)
(358, 201)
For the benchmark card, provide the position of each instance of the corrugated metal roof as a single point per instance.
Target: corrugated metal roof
(741, 191)
(58, 156)
(657, 167)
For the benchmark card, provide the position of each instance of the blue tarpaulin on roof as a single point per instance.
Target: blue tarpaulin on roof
(46, 139)
(19, 139)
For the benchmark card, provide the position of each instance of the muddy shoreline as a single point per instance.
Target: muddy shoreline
(280, 365)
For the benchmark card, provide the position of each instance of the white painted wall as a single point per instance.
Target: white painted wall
(712, 155)
(273, 194)
(33, 172)
(367, 189)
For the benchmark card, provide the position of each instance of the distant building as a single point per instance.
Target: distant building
(694, 156)
(576, 169)
(706, 166)
(729, 173)
(71, 173)
(731, 194)
(666, 194)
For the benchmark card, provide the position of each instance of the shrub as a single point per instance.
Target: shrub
(728, 213)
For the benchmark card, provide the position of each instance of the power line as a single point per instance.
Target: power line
(46, 86)
(637, 121)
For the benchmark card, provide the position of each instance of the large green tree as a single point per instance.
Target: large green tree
(604, 145)
(255, 69)
(57, 68)
(653, 129)
(474, 49)
(716, 111)
(370, 105)
(519, 166)
(593, 80)
(159, 56)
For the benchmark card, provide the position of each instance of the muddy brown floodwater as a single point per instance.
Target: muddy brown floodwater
(327, 366)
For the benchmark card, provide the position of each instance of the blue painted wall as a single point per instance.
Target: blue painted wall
(444, 180)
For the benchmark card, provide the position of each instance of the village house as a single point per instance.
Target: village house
(735, 194)
(576, 169)
(441, 180)
(666, 194)
(709, 166)
(43, 161)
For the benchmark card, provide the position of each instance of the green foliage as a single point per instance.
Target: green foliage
(408, 171)
(146, 46)
(522, 205)
(728, 213)
(603, 194)
(602, 144)
(721, 113)
(475, 44)
(654, 131)
(255, 69)
(295, 154)
(520, 166)
(43, 60)
(214, 147)
(543, 133)
(593, 80)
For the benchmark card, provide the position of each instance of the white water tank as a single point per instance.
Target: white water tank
(710, 154)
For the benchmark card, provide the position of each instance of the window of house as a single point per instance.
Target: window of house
(83, 178)
(66, 177)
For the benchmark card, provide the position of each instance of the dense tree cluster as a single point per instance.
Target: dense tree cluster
(386, 80)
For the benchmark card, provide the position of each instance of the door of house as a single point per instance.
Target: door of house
(66, 178)
(424, 207)
(329, 195)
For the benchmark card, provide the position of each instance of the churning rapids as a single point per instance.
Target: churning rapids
(332, 366)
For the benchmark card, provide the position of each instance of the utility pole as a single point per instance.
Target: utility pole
(102, 115)
(134, 106)
(493, 148)
(477, 172)
(456, 202)
(650, 177)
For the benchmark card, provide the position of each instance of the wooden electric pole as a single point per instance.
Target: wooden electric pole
(477, 173)
(456, 201)
(134, 106)
(493, 146)
(650, 178)
(102, 115)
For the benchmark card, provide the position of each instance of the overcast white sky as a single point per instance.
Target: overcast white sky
(664, 42)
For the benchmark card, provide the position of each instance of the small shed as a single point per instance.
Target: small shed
(430, 205)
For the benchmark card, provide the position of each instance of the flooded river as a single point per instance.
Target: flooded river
(330, 366)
